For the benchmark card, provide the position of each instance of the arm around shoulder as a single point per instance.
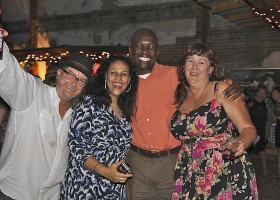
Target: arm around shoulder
(234, 90)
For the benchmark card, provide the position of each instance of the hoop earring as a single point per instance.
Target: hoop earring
(105, 85)
(128, 88)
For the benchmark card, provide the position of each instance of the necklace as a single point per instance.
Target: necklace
(195, 102)
(117, 109)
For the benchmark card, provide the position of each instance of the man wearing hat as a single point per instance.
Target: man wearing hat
(35, 152)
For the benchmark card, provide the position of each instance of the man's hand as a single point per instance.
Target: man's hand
(234, 90)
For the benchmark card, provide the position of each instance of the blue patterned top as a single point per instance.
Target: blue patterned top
(95, 130)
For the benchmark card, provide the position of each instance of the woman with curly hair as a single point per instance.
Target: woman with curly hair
(100, 134)
(212, 162)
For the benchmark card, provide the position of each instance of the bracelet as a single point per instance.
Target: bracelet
(96, 166)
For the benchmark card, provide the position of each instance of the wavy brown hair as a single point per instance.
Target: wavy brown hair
(200, 49)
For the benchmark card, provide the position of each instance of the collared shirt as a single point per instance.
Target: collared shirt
(155, 107)
(35, 154)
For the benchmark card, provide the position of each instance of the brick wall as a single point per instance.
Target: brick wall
(118, 16)
(244, 47)
(235, 46)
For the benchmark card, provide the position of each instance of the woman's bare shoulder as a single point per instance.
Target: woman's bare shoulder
(221, 87)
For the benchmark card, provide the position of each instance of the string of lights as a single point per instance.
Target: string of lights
(270, 15)
(31, 59)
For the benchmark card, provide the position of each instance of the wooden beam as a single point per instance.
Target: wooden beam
(258, 3)
(266, 4)
(228, 5)
(33, 22)
(255, 24)
(240, 16)
(203, 1)
(204, 24)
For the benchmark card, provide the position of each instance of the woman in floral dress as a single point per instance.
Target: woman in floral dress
(208, 126)
(100, 135)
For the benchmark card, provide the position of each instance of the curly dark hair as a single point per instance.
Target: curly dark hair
(100, 95)
(200, 49)
(261, 87)
(277, 88)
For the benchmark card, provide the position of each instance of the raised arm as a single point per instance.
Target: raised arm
(17, 87)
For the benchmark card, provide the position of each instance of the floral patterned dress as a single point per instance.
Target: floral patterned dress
(95, 131)
(200, 171)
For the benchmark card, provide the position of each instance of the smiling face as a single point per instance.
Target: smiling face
(197, 69)
(144, 50)
(118, 78)
(68, 89)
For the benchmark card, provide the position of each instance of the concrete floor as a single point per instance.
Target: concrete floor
(268, 186)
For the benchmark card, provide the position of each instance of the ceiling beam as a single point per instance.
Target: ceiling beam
(203, 1)
(204, 24)
(208, 3)
(260, 4)
(240, 16)
(33, 21)
(255, 24)
(265, 3)
(228, 5)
